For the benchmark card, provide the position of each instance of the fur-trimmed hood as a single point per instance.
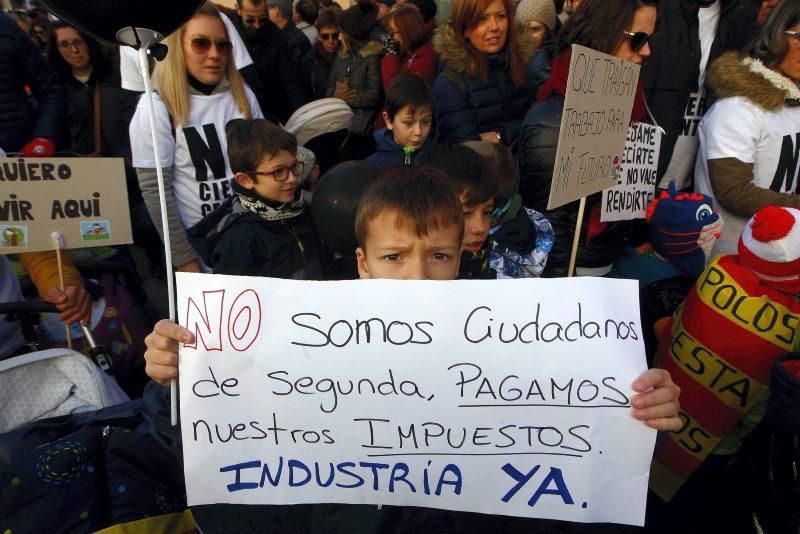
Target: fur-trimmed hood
(369, 48)
(453, 54)
(736, 75)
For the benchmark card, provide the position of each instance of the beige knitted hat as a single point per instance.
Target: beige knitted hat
(542, 10)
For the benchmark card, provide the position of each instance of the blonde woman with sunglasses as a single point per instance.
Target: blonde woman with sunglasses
(199, 91)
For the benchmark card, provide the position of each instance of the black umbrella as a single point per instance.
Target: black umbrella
(107, 19)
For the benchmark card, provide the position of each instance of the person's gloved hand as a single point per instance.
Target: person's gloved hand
(39, 147)
(390, 46)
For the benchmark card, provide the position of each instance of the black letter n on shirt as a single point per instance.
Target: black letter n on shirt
(202, 153)
(783, 181)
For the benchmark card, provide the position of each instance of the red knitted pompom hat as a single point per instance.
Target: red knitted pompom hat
(770, 243)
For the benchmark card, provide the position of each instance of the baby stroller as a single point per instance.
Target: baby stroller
(53, 382)
(76, 455)
(322, 127)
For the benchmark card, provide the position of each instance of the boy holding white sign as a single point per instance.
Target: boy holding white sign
(410, 226)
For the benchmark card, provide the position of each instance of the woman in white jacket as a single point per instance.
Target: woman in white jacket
(750, 139)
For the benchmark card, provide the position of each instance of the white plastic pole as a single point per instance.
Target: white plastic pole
(148, 89)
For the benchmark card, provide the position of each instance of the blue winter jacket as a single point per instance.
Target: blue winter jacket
(467, 106)
(388, 153)
(21, 64)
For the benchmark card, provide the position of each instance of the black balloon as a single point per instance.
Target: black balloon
(336, 201)
(104, 18)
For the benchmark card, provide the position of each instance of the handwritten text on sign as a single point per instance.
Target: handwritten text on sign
(597, 111)
(455, 395)
(83, 198)
(636, 185)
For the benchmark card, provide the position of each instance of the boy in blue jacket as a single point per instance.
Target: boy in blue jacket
(408, 115)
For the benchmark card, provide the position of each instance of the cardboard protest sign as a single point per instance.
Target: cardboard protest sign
(636, 185)
(456, 395)
(85, 199)
(597, 111)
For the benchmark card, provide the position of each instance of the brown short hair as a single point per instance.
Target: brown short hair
(470, 173)
(408, 91)
(423, 200)
(328, 16)
(501, 162)
(250, 141)
(408, 21)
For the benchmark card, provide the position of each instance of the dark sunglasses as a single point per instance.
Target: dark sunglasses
(201, 45)
(250, 21)
(329, 36)
(638, 39)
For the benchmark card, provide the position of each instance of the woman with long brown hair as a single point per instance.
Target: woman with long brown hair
(199, 91)
(480, 93)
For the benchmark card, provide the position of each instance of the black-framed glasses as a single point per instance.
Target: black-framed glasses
(201, 45)
(75, 43)
(637, 39)
(280, 175)
(329, 36)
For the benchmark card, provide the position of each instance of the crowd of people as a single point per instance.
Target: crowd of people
(457, 121)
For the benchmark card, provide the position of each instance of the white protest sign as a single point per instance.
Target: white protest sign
(597, 111)
(502, 397)
(636, 185)
(83, 198)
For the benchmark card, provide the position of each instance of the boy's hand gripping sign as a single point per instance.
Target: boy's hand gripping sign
(501, 397)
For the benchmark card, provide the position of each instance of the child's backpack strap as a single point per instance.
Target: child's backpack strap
(206, 226)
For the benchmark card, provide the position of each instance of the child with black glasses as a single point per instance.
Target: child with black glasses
(268, 232)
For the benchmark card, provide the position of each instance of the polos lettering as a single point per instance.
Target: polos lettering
(719, 291)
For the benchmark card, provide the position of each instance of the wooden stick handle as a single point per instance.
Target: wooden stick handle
(576, 238)
(61, 285)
